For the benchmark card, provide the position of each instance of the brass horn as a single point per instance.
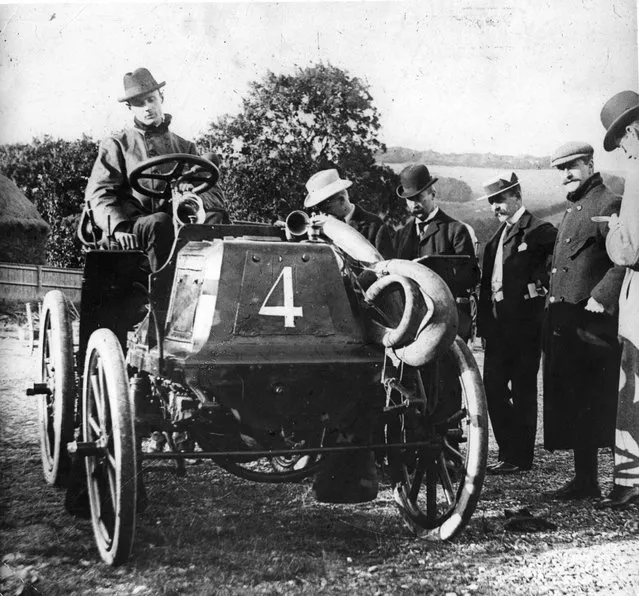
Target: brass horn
(188, 208)
(297, 223)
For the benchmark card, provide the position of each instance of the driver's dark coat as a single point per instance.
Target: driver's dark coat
(108, 193)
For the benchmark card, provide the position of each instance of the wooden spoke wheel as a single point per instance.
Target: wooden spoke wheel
(437, 488)
(111, 465)
(56, 407)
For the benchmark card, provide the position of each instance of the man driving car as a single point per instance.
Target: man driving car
(132, 219)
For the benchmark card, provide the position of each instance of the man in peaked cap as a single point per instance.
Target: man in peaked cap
(620, 117)
(120, 212)
(327, 193)
(581, 363)
(429, 232)
(511, 303)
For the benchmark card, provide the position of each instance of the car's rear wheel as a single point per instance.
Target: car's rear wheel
(437, 488)
(56, 406)
(108, 430)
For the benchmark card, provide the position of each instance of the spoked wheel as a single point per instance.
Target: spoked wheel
(108, 431)
(437, 488)
(55, 412)
(291, 463)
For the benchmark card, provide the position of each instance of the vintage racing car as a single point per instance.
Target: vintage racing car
(258, 342)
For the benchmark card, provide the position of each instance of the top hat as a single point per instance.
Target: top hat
(414, 178)
(569, 152)
(139, 82)
(498, 185)
(619, 111)
(322, 185)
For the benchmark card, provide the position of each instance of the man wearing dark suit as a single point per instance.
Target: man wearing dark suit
(327, 194)
(431, 232)
(511, 303)
(581, 351)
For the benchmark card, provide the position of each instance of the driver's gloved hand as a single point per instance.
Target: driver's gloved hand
(124, 236)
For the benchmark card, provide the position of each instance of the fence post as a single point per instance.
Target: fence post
(39, 279)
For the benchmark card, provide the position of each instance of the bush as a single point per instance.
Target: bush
(53, 173)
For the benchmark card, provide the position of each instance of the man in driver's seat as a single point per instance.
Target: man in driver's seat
(124, 215)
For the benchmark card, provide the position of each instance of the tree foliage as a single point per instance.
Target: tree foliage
(291, 126)
(53, 174)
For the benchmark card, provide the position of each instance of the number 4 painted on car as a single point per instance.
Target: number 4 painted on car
(289, 311)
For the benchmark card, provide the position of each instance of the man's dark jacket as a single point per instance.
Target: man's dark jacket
(527, 247)
(443, 236)
(374, 230)
(581, 364)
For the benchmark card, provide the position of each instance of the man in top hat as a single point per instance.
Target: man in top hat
(122, 213)
(620, 117)
(328, 194)
(431, 232)
(511, 302)
(581, 352)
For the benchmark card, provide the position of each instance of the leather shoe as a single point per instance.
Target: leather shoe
(619, 497)
(573, 490)
(503, 467)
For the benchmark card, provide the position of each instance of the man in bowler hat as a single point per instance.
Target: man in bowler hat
(620, 117)
(513, 287)
(125, 215)
(429, 232)
(581, 352)
(328, 194)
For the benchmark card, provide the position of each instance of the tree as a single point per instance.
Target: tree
(291, 126)
(53, 174)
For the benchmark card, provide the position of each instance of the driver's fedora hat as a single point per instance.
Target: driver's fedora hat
(619, 111)
(414, 178)
(139, 82)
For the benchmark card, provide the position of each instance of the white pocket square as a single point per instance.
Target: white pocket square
(523, 246)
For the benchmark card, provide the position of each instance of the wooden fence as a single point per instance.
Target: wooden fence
(25, 283)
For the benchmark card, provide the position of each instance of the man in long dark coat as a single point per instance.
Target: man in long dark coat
(511, 303)
(581, 364)
(431, 232)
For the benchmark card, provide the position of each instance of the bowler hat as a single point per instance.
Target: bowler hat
(414, 179)
(569, 152)
(619, 111)
(322, 185)
(498, 185)
(139, 82)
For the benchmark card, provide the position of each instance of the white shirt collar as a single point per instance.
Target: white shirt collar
(516, 216)
(431, 215)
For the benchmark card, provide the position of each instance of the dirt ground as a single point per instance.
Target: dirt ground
(212, 533)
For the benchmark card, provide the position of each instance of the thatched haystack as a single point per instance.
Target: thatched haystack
(23, 233)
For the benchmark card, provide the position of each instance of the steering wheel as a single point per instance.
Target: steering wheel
(202, 173)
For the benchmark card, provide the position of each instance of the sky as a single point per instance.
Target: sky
(507, 77)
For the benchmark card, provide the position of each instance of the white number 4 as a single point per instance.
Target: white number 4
(289, 311)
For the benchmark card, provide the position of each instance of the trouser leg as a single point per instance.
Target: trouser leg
(626, 471)
(524, 395)
(498, 394)
(155, 234)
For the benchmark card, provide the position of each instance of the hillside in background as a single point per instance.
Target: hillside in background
(395, 155)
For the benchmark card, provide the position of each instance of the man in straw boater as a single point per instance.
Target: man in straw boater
(511, 302)
(620, 117)
(328, 194)
(122, 213)
(581, 352)
(431, 232)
